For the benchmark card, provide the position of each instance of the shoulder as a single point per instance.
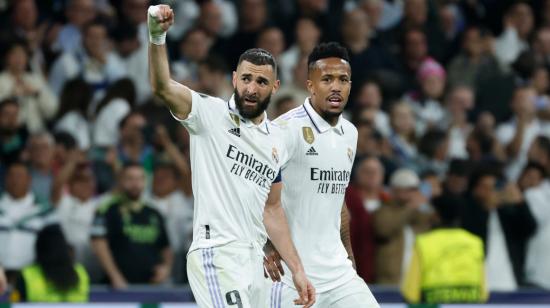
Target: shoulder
(291, 118)
(108, 204)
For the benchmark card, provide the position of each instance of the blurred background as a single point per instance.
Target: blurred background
(450, 99)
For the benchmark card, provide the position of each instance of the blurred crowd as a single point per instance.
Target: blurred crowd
(450, 98)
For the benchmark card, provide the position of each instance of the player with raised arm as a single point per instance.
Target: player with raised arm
(235, 162)
(321, 148)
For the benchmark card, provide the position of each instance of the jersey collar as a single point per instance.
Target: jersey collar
(319, 123)
(263, 126)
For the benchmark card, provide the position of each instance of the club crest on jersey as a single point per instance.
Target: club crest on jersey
(350, 155)
(307, 132)
(275, 155)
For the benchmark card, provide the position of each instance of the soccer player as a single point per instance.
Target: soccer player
(321, 146)
(235, 160)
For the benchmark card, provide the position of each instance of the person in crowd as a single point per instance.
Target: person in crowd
(193, 49)
(13, 135)
(447, 264)
(500, 217)
(54, 277)
(531, 176)
(403, 134)
(41, 150)
(396, 223)
(433, 150)
(21, 218)
(129, 237)
(213, 77)
(78, 14)
(37, 102)
(369, 98)
(459, 101)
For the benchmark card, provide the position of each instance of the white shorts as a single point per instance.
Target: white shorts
(229, 275)
(355, 293)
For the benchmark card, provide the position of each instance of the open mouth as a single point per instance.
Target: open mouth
(335, 100)
(250, 101)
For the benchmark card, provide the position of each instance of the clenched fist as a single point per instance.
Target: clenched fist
(159, 19)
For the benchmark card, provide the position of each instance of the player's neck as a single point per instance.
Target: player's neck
(329, 118)
(257, 120)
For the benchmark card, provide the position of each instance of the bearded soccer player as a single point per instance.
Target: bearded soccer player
(236, 185)
(321, 146)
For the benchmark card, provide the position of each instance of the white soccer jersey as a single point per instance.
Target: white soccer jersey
(315, 178)
(233, 162)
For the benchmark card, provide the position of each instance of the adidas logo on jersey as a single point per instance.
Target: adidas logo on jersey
(312, 151)
(235, 131)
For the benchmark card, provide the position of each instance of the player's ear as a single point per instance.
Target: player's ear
(276, 86)
(234, 79)
(309, 85)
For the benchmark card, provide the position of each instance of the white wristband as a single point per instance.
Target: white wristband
(156, 35)
(158, 39)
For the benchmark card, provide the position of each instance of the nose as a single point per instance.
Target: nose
(252, 88)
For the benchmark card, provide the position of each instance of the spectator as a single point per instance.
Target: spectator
(518, 134)
(171, 195)
(427, 102)
(532, 176)
(539, 152)
(40, 149)
(134, 145)
(433, 148)
(364, 196)
(132, 53)
(459, 102)
(111, 110)
(518, 24)
(78, 13)
(38, 104)
(282, 105)
(13, 136)
(20, 219)
(403, 135)
(73, 193)
(395, 225)
(456, 180)
(252, 19)
(480, 146)
(541, 45)
(504, 222)
(213, 78)
(413, 52)
(537, 270)
(54, 277)
(363, 52)
(93, 62)
(141, 253)
(193, 49)
(447, 262)
(473, 60)
(540, 81)
(369, 98)
(218, 18)
(272, 39)
(298, 88)
(64, 144)
(307, 36)
(72, 117)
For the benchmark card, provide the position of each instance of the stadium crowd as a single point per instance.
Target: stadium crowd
(450, 98)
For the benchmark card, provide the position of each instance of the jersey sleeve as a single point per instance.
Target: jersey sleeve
(205, 113)
(287, 141)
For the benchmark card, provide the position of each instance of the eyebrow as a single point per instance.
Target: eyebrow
(259, 78)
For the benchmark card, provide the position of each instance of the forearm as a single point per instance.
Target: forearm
(183, 167)
(167, 257)
(277, 228)
(159, 70)
(514, 147)
(345, 232)
(103, 252)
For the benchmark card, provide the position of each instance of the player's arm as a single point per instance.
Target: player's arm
(175, 96)
(277, 228)
(345, 233)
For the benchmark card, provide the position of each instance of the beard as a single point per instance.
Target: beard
(248, 112)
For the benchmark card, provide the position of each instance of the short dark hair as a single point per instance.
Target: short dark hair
(65, 139)
(326, 50)
(258, 56)
(534, 165)
(430, 142)
(448, 208)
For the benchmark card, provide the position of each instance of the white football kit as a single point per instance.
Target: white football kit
(233, 162)
(315, 177)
